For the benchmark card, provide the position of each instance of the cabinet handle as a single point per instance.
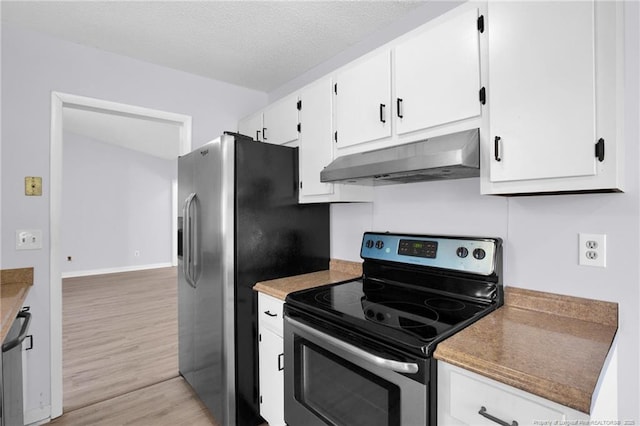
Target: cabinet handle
(7, 346)
(483, 413)
(382, 114)
(281, 363)
(399, 108)
(257, 135)
(270, 314)
(264, 133)
(496, 148)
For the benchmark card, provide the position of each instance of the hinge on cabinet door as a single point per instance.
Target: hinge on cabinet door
(481, 23)
(30, 345)
(260, 399)
(483, 96)
(299, 105)
(299, 127)
(600, 150)
(259, 337)
(300, 184)
(335, 88)
(335, 136)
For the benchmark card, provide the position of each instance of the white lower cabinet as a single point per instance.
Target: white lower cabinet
(466, 398)
(271, 359)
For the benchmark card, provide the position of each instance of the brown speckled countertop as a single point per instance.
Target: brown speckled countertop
(339, 270)
(549, 345)
(14, 286)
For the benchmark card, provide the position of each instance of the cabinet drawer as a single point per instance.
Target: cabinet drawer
(270, 313)
(468, 395)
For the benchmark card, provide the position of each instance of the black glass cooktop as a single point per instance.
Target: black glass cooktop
(408, 316)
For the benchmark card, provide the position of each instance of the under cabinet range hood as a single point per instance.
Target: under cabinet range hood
(452, 156)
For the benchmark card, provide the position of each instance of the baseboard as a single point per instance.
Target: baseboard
(37, 416)
(115, 270)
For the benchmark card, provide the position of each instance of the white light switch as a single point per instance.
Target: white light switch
(28, 239)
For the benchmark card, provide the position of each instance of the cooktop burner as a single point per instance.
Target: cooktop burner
(445, 304)
(346, 298)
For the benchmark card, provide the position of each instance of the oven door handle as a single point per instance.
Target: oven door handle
(390, 364)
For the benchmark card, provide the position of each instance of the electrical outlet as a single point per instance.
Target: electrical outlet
(28, 239)
(592, 250)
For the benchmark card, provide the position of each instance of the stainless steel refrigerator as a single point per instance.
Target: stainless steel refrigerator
(239, 222)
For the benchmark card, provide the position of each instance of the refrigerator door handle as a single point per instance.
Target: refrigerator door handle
(187, 244)
(194, 250)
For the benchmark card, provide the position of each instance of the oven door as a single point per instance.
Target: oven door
(330, 380)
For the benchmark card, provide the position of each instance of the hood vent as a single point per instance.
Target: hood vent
(453, 156)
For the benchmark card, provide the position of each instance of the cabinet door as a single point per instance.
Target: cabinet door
(280, 125)
(462, 395)
(437, 74)
(541, 90)
(251, 126)
(271, 363)
(316, 142)
(363, 109)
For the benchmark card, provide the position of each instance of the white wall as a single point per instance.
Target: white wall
(34, 65)
(115, 201)
(540, 232)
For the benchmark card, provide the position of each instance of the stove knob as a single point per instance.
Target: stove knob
(479, 253)
(462, 252)
(379, 244)
(380, 317)
(369, 243)
(369, 313)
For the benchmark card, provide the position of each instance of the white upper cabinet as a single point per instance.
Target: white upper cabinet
(543, 81)
(316, 141)
(280, 121)
(552, 96)
(251, 126)
(316, 147)
(276, 124)
(437, 74)
(542, 97)
(424, 84)
(363, 100)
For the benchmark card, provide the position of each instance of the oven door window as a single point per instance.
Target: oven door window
(340, 392)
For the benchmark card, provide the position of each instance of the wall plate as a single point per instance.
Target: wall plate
(28, 239)
(592, 250)
(33, 185)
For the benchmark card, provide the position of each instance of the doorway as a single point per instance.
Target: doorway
(61, 103)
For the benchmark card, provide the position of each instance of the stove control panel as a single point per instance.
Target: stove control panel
(467, 254)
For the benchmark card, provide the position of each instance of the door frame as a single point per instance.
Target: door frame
(58, 102)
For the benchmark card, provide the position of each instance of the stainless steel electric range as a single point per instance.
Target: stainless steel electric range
(360, 352)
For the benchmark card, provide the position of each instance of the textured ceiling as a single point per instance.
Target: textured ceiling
(255, 44)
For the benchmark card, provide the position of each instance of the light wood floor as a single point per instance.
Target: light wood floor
(168, 403)
(120, 352)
